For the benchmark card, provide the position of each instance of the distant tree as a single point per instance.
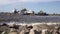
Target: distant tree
(23, 10)
(42, 13)
(53, 13)
(15, 11)
(33, 12)
(45, 13)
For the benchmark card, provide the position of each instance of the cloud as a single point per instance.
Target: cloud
(4, 2)
(39, 0)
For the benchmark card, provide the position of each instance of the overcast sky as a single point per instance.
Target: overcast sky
(49, 6)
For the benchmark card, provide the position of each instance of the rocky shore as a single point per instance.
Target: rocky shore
(39, 28)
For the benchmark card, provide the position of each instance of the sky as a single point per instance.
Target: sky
(48, 6)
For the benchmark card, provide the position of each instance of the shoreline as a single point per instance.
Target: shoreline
(37, 23)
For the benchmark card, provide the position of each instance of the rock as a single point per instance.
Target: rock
(26, 31)
(3, 32)
(43, 31)
(13, 31)
(31, 31)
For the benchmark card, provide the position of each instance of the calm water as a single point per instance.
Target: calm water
(34, 19)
